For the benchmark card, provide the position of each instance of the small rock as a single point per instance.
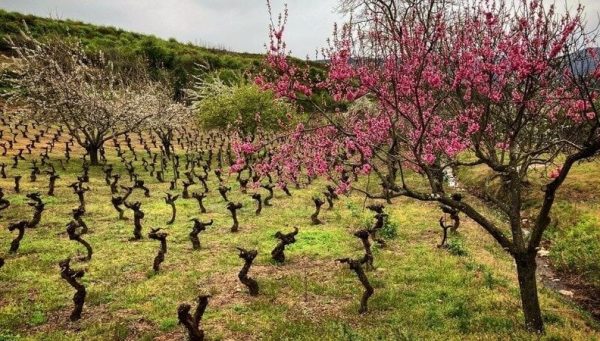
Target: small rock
(543, 253)
(567, 293)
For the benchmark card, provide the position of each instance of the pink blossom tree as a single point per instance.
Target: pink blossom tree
(506, 87)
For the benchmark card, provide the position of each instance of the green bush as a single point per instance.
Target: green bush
(389, 229)
(244, 107)
(456, 246)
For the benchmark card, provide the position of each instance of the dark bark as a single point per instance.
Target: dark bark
(20, 226)
(196, 229)
(166, 142)
(80, 191)
(140, 184)
(223, 191)
(526, 269)
(76, 236)
(267, 200)
(248, 257)
(158, 234)
(108, 174)
(52, 183)
(315, 216)
(445, 228)
(256, 196)
(18, 184)
(4, 204)
(78, 217)
(285, 189)
(71, 277)
(453, 213)
(92, 151)
(284, 240)
(379, 223)
(233, 209)
(114, 185)
(186, 194)
(192, 323)
(331, 191)
(38, 206)
(329, 199)
(35, 171)
(243, 185)
(199, 197)
(203, 180)
(117, 201)
(355, 265)
(170, 200)
(138, 215)
(367, 259)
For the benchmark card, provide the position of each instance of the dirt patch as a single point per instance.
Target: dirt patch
(59, 319)
(583, 294)
(228, 291)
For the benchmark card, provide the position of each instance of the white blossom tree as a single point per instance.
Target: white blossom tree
(168, 115)
(59, 82)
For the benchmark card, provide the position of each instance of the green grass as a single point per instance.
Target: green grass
(468, 291)
(574, 234)
(577, 249)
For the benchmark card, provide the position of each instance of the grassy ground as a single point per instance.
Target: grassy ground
(421, 292)
(574, 235)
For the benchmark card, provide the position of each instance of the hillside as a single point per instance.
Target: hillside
(178, 58)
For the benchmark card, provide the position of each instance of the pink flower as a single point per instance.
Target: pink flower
(343, 188)
(555, 173)
(366, 168)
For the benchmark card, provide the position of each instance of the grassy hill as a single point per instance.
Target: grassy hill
(180, 60)
(177, 58)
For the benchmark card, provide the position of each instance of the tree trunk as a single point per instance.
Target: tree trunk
(166, 146)
(93, 153)
(526, 268)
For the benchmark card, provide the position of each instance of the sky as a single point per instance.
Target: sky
(237, 25)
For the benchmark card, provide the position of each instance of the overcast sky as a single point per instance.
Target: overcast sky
(239, 25)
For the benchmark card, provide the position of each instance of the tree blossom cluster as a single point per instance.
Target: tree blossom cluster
(449, 84)
(59, 81)
(455, 82)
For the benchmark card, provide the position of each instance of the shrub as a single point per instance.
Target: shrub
(456, 246)
(389, 229)
(242, 106)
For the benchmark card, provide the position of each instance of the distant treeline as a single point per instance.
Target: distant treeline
(178, 59)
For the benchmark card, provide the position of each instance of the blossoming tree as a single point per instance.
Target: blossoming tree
(59, 82)
(167, 116)
(505, 87)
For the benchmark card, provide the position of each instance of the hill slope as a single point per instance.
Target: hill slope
(178, 58)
